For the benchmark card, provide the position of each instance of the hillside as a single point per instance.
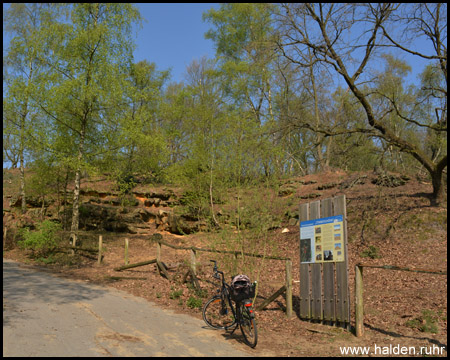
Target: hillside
(387, 225)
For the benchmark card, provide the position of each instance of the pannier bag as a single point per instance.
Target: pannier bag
(241, 288)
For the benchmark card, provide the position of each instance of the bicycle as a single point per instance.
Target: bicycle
(219, 312)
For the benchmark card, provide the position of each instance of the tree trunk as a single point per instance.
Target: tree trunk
(318, 164)
(22, 182)
(22, 140)
(21, 157)
(66, 182)
(76, 192)
(437, 179)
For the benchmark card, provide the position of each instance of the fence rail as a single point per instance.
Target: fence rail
(359, 289)
(222, 251)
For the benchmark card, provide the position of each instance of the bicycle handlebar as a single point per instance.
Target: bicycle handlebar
(217, 271)
(215, 264)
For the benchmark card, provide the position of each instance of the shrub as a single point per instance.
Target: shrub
(194, 302)
(41, 241)
(371, 252)
(175, 294)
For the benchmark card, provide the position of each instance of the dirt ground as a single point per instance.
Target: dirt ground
(405, 312)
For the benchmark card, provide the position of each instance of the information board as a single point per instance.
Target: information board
(322, 240)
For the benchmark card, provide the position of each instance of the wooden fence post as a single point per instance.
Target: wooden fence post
(100, 246)
(158, 251)
(193, 262)
(4, 237)
(288, 288)
(359, 305)
(126, 251)
(160, 266)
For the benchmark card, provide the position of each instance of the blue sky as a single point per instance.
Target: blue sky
(173, 36)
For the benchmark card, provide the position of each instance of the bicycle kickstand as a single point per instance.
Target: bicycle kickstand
(237, 325)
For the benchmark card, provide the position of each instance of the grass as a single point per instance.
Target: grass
(48, 260)
(194, 302)
(427, 322)
(175, 294)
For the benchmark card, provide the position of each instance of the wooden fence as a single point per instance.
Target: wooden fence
(286, 288)
(359, 303)
(193, 271)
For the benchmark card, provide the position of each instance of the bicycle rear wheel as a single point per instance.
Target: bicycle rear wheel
(218, 314)
(248, 326)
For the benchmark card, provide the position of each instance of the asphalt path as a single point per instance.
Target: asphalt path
(44, 315)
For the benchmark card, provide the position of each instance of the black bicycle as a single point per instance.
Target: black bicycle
(220, 313)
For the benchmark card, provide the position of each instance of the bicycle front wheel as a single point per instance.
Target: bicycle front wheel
(248, 326)
(218, 314)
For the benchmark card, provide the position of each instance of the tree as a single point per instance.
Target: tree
(172, 118)
(23, 67)
(143, 147)
(204, 126)
(83, 93)
(243, 36)
(347, 38)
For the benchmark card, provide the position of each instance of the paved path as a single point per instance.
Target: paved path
(44, 315)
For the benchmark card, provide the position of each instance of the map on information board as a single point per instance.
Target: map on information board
(322, 240)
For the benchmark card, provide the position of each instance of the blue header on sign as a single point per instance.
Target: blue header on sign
(322, 221)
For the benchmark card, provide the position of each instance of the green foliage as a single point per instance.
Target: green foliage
(74, 101)
(202, 293)
(175, 294)
(41, 241)
(195, 204)
(125, 185)
(194, 302)
(372, 252)
(427, 322)
(47, 260)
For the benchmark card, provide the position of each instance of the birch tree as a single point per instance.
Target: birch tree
(85, 89)
(22, 67)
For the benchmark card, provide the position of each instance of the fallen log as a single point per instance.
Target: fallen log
(135, 265)
(125, 278)
(162, 269)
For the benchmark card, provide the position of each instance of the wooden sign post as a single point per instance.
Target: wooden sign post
(324, 292)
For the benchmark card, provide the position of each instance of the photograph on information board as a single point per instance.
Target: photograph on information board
(321, 240)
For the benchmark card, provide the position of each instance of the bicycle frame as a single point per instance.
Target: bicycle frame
(241, 312)
(225, 295)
